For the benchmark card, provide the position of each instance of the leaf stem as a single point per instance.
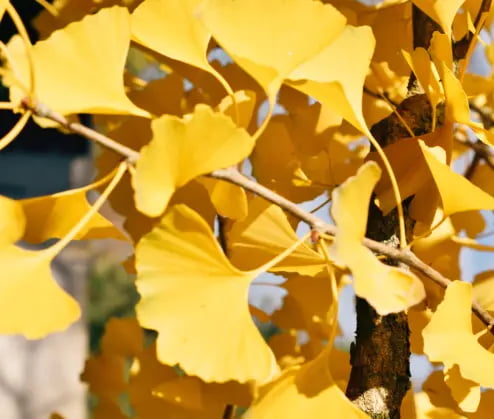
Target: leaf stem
(119, 172)
(27, 44)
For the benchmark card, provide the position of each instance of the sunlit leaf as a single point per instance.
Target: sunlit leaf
(241, 105)
(306, 306)
(270, 44)
(450, 324)
(336, 78)
(465, 392)
(32, 303)
(229, 200)
(185, 38)
(12, 221)
(388, 289)
(187, 288)
(265, 233)
(305, 391)
(452, 187)
(177, 151)
(442, 11)
(53, 216)
(85, 58)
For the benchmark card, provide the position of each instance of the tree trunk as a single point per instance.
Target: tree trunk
(380, 357)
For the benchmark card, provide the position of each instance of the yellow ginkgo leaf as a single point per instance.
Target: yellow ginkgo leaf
(187, 289)
(451, 324)
(182, 149)
(457, 107)
(239, 106)
(305, 391)
(306, 306)
(271, 39)
(265, 233)
(53, 216)
(465, 392)
(123, 336)
(441, 51)
(12, 220)
(388, 289)
(452, 187)
(228, 199)
(420, 62)
(442, 11)
(482, 285)
(85, 58)
(31, 302)
(335, 77)
(185, 37)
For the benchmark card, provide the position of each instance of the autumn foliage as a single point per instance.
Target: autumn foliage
(214, 120)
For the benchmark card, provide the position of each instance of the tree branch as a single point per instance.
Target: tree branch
(232, 175)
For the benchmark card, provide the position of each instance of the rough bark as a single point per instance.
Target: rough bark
(380, 356)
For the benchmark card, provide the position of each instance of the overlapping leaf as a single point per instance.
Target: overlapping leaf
(452, 187)
(53, 216)
(265, 233)
(336, 78)
(442, 11)
(177, 154)
(185, 38)
(187, 289)
(305, 391)
(287, 34)
(31, 302)
(388, 289)
(85, 58)
(12, 221)
(450, 324)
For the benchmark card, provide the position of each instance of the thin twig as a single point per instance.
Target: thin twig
(232, 175)
(480, 149)
(469, 172)
(45, 112)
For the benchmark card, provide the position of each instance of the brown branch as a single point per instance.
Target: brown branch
(44, 111)
(482, 150)
(232, 175)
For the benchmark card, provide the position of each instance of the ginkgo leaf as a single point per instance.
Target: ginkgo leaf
(239, 106)
(442, 11)
(123, 336)
(420, 62)
(265, 233)
(12, 221)
(270, 39)
(482, 285)
(105, 375)
(177, 154)
(452, 187)
(306, 306)
(465, 392)
(31, 302)
(53, 216)
(388, 289)
(85, 58)
(336, 78)
(187, 288)
(229, 200)
(185, 38)
(451, 324)
(305, 391)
